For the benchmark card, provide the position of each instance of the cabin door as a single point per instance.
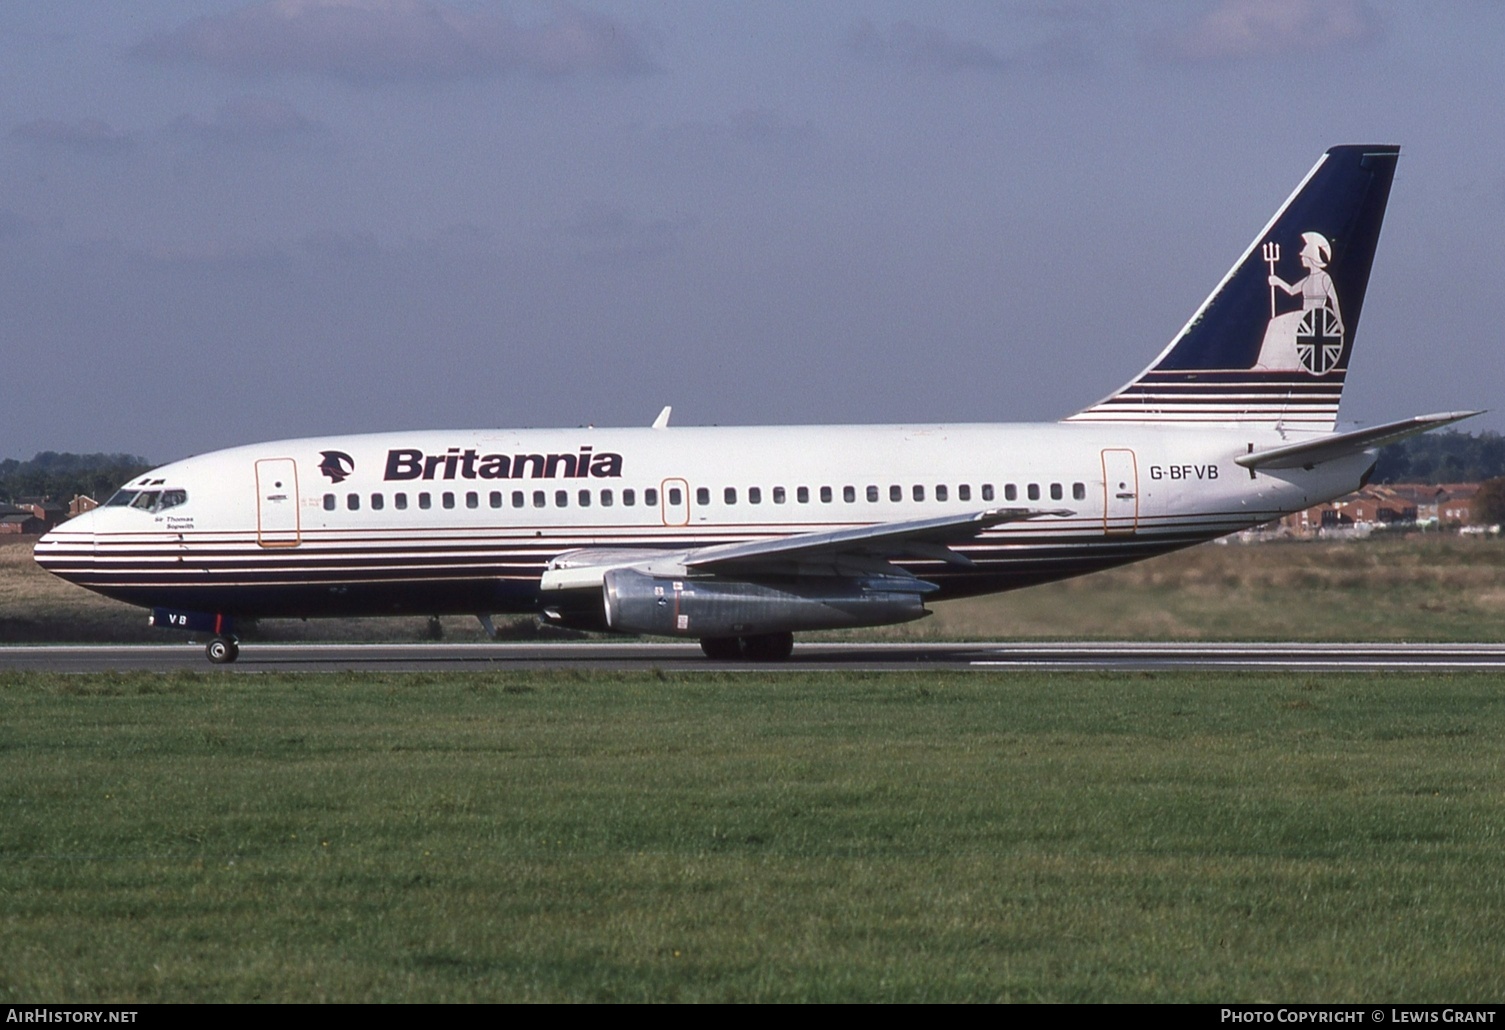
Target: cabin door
(1120, 491)
(277, 503)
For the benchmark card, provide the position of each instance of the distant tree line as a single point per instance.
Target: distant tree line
(1447, 457)
(60, 476)
(1489, 503)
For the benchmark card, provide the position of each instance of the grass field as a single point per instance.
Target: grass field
(1434, 588)
(838, 837)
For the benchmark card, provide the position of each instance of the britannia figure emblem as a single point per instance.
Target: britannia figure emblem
(1312, 338)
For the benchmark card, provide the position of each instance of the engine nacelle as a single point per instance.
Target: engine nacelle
(686, 607)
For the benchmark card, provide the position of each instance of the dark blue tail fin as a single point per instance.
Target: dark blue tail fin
(1272, 343)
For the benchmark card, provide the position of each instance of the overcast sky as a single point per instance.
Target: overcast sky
(227, 221)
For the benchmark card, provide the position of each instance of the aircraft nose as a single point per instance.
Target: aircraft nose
(67, 551)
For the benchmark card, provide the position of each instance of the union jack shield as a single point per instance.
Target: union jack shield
(1319, 341)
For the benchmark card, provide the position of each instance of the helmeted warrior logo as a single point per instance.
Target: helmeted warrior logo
(337, 465)
(1310, 339)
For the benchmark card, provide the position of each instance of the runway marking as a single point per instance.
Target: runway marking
(1095, 656)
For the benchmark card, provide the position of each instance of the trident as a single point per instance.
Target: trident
(1272, 255)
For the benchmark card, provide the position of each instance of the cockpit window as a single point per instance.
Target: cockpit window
(148, 500)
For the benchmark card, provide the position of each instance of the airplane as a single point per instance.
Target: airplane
(741, 536)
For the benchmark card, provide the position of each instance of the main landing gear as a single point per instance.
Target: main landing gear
(222, 650)
(765, 647)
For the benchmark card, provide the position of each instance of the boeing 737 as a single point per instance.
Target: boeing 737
(739, 537)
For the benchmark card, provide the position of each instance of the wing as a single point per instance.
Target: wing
(859, 550)
(917, 538)
(1341, 445)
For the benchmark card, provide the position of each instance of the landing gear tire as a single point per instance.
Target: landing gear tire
(222, 650)
(768, 647)
(721, 649)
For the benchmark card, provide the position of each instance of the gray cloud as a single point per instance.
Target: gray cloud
(87, 135)
(921, 48)
(383, 40)
(247, 119)
(601, 232)
(758, 127)
(1237, 30)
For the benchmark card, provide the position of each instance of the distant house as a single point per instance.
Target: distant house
(1455, 503)
(80, 504)
(49, 511)
(1392, 504)
(19, 520)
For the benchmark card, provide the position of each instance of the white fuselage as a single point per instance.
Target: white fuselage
(467, 521)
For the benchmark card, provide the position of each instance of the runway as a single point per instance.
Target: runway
(808, 657)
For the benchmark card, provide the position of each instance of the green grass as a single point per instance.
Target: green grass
(759, 836)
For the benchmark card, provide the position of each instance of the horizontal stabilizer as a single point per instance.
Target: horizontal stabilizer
(1342, 445)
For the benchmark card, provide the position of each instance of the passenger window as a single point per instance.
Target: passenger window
(400, 502)
(561, 498)
(964, 492)
(675, 497)
(448, 499)
(329, 502)
(495, 498)
(729, 495)
(517, 498)
(472, 499)
(754, 495)
(1078, 491)
(540, 499)
(650, 497)
(584, 498)
(778, 495)
(629, 498)
(1055, 492)
(940, 492)
(1011, 492)
(987, 491)
(1034, 491)
(825, 494)
(702, 496)
(895, 492)
(425, 501)
(802, 495)
(353, 502)
(919, 492)
(872, 494)
(378, 502)
(849, 494)
(606, 498)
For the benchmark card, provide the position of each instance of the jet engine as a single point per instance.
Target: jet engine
(637, 602)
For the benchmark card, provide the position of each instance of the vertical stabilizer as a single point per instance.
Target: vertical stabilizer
(1271, 345)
